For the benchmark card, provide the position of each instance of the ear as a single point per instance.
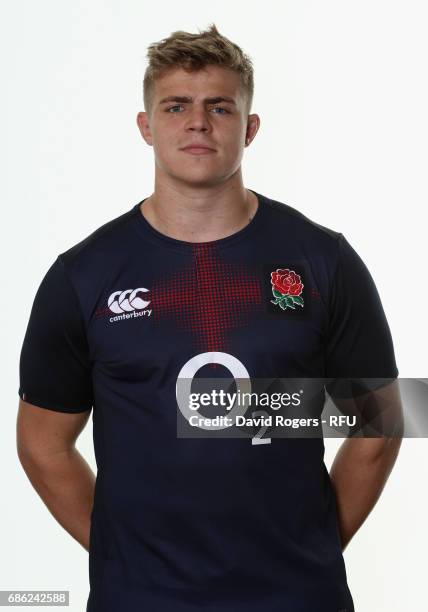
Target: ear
(253, 124)
(144, 127)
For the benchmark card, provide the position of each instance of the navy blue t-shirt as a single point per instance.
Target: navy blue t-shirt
(179, 524)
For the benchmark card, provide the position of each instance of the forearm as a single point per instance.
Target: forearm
(66, 484)
(358, 475)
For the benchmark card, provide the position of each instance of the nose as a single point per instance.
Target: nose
(197, 119)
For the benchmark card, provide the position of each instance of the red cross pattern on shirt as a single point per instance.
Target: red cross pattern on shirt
(208, 298)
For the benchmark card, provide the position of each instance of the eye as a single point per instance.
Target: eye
(220, 108)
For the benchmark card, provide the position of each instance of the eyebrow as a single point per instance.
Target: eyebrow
(184, 99)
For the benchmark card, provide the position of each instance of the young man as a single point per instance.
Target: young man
(208, 273)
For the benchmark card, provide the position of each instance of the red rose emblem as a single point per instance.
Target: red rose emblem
(286, 288)
(286, 282)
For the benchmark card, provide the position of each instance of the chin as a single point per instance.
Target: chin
(196, 177)
(200, 181)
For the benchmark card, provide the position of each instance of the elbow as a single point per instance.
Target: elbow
(388, 450)
(26, 454)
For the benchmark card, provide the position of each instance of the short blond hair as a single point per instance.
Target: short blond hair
(193, 52)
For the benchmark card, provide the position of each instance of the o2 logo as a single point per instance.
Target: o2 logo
(243, 384)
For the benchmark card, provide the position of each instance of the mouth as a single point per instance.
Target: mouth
(195, 150)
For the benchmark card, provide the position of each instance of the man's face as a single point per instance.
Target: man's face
(188, 110)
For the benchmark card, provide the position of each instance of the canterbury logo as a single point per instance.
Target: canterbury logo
(128, 300)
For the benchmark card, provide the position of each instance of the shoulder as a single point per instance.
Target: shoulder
(104, 239)
(293, 222)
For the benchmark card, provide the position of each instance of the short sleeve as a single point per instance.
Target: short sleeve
(54, 366)
(359, 343)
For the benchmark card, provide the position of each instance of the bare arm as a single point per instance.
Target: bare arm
(56, 469)
(362, 466)
(359, 473)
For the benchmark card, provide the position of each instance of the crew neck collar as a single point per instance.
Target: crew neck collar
(181, 245)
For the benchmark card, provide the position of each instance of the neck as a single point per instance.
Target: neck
(197, 215)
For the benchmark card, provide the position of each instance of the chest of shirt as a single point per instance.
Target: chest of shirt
(267, 312)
